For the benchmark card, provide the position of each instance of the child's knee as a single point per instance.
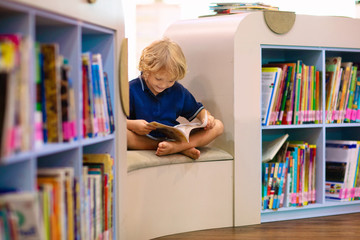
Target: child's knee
(219, 126)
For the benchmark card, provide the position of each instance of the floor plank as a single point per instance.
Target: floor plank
(343, 227)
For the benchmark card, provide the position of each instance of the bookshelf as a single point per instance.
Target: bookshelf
(228, 52)
(75, 27)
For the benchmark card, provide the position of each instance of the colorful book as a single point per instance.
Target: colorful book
(270, 80)
(332, 70)
(51, 69)
(26, 205)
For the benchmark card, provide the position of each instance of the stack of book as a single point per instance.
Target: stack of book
(55, 116)
(59, 197)
(342, 91)
(98, 119)
(291, 94)
(98, 198)
(239, 7)
(288, 176)
(342, 170)
(55, 212)
(15, 112)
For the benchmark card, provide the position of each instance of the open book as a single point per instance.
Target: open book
(180, 132)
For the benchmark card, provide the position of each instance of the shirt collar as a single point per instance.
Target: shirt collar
(143, 85)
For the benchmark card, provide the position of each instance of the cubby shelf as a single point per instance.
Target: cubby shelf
(228, 52)
(74, 35)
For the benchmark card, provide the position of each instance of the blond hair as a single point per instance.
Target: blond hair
(163, 55)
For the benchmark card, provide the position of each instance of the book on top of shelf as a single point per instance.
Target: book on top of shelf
(240, 7)
(180, 132)
(271, 148)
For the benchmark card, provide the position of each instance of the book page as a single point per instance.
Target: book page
(179, 132)
(269, 149)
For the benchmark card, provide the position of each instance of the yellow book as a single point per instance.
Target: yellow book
(56, 219)
(65, 176)
(344, 89)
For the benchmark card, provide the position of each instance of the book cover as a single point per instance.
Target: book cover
(26, 206)
(297, 96)
(51, 69)
(97, 63)
(97, 223)
(91, 125)
(8, 58)
(270, 79)
(265, 178)
(98, 100)
(56, 178)
(109, 104)
(65, 100)
(318, 102)
(340, 168)
(289, 105)
(351, 93)
(283, 91)
(332, 71)
(346, 79)
(107, 162)
(38, 118)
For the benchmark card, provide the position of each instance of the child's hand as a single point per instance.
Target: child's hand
(210, 122)
(140, 126)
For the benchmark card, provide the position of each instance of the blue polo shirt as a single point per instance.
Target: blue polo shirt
(165, 107)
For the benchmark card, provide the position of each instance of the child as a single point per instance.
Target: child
(157, 96)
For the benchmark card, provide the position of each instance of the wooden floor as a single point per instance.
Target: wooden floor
(342, 227)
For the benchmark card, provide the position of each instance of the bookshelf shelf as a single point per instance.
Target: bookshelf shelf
(75, 33)
(239, 45)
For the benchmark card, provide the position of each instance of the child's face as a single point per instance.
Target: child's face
(159, 81)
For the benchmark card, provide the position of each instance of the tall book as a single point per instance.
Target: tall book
(270, 81)
(349, 105)
(107, 185)
(51, 69)
(332, 71)
(297, 95)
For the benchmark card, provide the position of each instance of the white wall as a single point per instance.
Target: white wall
(193, 8)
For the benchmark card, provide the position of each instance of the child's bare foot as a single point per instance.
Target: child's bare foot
(192, 153)
(166, 148)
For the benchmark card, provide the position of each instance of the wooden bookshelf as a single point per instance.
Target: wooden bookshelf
(77, 27)
(227, 52)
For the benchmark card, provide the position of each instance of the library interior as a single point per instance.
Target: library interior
(283, 77)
